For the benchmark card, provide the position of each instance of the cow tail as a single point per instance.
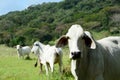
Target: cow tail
(35, 65)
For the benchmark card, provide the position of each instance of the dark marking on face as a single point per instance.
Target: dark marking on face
(87, 40)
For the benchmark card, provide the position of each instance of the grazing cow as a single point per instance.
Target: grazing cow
(22, 51)
(48, 55)
(91, 59)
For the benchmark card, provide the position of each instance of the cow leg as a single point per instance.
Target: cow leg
(19, 56)
(99, 77)
(46, 68)
(52, 66)
(60, 65)
(40, 67)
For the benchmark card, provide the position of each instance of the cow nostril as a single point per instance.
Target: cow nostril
(76, 55)
(78, 52)
(73, 53)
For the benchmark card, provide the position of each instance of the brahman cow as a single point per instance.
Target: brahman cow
(91, 59)
(22, 51)
(48, 55)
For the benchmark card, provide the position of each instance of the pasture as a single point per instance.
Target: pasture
(12, 68)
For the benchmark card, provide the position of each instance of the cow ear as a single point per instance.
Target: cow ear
(62, 41)
(89, 41)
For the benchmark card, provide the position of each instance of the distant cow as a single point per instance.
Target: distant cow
(22, 51)
(91, 59)
(47, 55)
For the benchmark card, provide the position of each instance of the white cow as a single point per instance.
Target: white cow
(48, 55)
(91, 59)
(22, 51)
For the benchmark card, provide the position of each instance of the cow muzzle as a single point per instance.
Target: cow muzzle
(75, 55)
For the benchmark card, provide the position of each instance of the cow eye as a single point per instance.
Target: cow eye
(68, 37)
(36, 44)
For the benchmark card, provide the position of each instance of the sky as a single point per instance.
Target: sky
(18, 5)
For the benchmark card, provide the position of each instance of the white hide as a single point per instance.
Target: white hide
(22, 51)
(48, 55)
(98, 60)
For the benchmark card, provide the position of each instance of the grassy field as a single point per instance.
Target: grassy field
(12, 68)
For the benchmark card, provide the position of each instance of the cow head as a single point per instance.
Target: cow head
(77, 40)
(18, 47)
(35, 48)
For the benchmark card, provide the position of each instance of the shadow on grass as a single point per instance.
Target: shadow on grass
(28, 58)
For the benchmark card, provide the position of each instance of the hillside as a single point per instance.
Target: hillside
(48, 21)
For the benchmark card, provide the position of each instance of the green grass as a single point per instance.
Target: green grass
(12, 68)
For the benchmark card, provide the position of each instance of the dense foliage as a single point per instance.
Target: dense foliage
(48, 21)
